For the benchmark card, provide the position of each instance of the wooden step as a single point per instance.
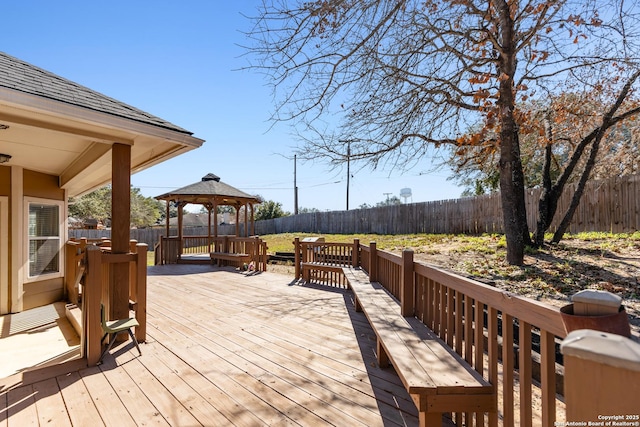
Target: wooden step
(74, 315)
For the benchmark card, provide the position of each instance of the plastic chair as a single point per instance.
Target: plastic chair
(113, 327)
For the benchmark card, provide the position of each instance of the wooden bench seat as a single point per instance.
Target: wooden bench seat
(327, 268)
(438, 380)
(224, 256)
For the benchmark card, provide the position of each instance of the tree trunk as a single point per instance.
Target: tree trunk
(512, 195)
(548, 202)
(511, 174)
(575, 200)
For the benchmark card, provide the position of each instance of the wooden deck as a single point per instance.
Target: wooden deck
(226, 348)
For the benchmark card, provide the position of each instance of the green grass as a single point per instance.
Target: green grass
(284, 242)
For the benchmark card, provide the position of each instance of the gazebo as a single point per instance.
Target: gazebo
(210, 192)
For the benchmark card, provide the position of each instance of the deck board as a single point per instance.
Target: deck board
(49, 404)
(229, 348)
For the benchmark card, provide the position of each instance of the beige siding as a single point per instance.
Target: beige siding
(41, 185)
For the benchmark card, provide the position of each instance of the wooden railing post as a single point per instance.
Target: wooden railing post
(296, 249)
(264, 255)
(407, 303)
(132, 271)
(601, 377)
(225, 244)
(141, 292)
(355, 253)
(91, 306)
(373, 262)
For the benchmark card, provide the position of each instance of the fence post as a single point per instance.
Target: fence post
(355, 253)
(141, 292)
(602, 377)
(373, 262)
(407, 305)
(91, 306)
(296, 259)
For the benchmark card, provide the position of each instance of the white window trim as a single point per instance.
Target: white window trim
(62, 228)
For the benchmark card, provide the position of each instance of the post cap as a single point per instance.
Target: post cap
(608, 349)
(593, 296)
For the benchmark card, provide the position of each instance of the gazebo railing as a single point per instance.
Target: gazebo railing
(170, 251)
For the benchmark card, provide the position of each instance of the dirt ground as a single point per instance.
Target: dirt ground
(551, 274)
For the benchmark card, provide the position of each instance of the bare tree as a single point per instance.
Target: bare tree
(403, 76)
(568, 139)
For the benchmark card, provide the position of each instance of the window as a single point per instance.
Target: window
(45, 237)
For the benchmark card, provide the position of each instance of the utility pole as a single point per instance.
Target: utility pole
(387, 194)
(348, 172)
(295, 186)
(348, 141)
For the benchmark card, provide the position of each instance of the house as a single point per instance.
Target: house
(59, 139)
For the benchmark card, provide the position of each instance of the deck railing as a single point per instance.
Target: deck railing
(508, 339)
(90, 283)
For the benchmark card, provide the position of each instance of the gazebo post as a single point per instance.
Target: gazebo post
(180, 206)
(209, 208)
(167, 217)
(237, 220)
(246, 219)
(253, 221)
(215, 222)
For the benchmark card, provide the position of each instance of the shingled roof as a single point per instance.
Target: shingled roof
(210, 187)
(21, 76)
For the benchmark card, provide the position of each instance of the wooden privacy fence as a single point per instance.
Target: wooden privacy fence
(494, 331)
(611, 206)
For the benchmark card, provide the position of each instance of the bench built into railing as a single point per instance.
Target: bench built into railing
(322, 262)
(494, 331)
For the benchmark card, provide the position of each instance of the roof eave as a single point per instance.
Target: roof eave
(65, 110)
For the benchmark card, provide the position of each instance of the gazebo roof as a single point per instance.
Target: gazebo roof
(208, 190)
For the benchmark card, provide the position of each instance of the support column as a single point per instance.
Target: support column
(237, 220)
(120, 228)
(209, 209)
(246, 220)
(215, 220)
(167, 218)
(253, 220)
(180, 213)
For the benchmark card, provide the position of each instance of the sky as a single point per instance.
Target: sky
(183, 62)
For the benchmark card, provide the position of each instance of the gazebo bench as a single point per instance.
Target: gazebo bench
(225, 256)
(438, 379)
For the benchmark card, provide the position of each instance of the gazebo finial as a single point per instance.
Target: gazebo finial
(211, 177)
